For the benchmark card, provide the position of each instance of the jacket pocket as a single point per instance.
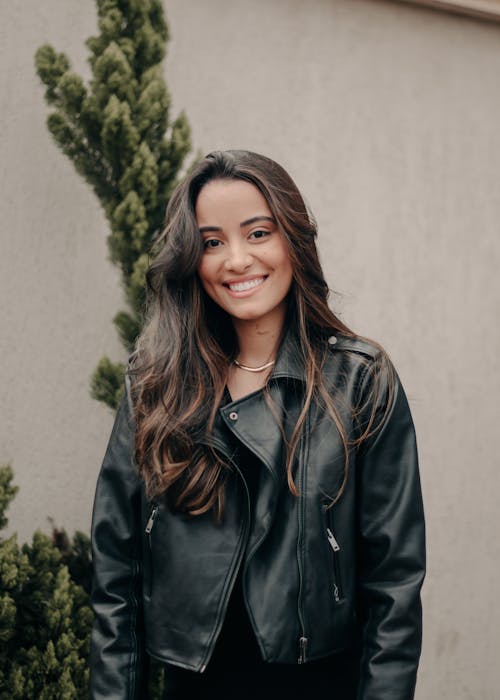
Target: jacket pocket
(333, 547)
(148, 531)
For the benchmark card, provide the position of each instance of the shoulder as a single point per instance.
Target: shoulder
(360, 363)
(363, 347)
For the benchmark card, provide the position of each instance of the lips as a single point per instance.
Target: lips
(245, 285)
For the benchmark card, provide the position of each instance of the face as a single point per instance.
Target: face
(245, 267)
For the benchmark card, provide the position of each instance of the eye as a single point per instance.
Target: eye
(259, 234)
(211, 243)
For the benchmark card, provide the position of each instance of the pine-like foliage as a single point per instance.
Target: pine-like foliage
(45, 614)
(45, 618)
(119, 135)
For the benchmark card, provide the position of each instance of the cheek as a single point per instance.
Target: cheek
(205, 272)
(285, 268)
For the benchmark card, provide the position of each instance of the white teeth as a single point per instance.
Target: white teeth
(244, 286)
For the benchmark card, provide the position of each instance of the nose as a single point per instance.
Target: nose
(239, 257)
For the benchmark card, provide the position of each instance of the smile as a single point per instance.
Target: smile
(246, 285)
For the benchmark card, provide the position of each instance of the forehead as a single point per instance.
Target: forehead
(229, 201)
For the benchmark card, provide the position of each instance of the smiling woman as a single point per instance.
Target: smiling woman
(258, 523)
(246, 270)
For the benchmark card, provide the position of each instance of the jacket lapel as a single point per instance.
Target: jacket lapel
(258, 426)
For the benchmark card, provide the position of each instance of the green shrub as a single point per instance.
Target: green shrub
(45, 618)
(45, 614)
(120, 136)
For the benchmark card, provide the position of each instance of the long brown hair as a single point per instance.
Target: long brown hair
(182, 356)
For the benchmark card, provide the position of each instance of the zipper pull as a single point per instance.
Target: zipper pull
(331, 539)
(336, 593)
(151, 520)
(302, 650)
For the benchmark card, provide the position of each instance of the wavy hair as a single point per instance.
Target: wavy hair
(179, 370)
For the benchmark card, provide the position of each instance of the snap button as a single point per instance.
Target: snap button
(233, 415)
(332, 340)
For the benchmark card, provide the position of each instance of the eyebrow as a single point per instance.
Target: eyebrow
(247, 222)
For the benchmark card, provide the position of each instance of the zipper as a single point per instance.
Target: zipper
(239, 556)
(303, 639)
(147, 530)
(302, 649)
(133, 627)
(334, 545)
(256, 546)
(150, 523)
(331, 539)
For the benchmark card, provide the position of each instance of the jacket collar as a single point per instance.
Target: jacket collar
(250, 418)
(289, 362)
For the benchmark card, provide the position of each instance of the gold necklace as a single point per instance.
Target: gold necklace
(261, 368)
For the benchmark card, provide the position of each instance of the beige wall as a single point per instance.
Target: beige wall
(387, 116)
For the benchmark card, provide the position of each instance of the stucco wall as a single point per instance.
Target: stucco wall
(387, 116)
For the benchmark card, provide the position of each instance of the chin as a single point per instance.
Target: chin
(247, 317)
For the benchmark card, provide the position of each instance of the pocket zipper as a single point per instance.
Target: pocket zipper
(332, 541)
(147, 530)
(150, 523)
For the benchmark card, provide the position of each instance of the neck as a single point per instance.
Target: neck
(258, 339)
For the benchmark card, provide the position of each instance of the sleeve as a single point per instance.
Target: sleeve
(117, 658)
(391, 548)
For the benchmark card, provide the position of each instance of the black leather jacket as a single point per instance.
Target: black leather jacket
(316, 579)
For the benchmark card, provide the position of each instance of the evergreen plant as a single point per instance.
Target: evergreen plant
(120, 136)
(118, 132)
(45, 614)
(45, 618)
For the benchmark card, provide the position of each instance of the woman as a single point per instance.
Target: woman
(258, 524)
